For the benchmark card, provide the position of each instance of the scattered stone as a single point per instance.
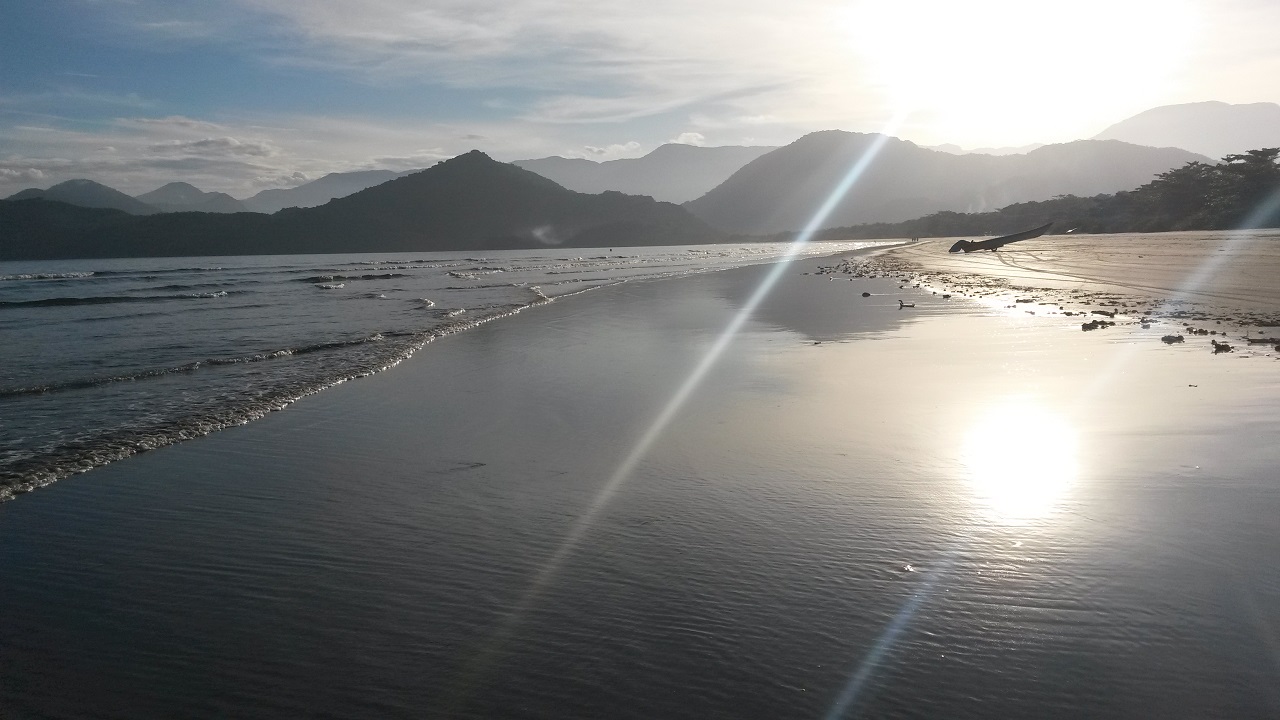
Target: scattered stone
(1095, 325)
(1108, 313)
(1171, 339)
(946, 297)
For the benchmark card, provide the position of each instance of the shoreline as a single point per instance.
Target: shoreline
(834, 492)
(92, 454)
(1167, 279)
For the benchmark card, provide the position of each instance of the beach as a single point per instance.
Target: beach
(688, 498)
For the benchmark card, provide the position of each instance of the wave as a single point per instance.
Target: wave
(30, 473)
(112, 299)
(47, 276)
(194, 365)
(331, 278)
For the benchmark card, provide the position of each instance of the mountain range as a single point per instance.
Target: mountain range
(672, 173)
(185, 197)
(89, 194)
(321, 191)
(1215, 129)
(470, 202)
(781, 190)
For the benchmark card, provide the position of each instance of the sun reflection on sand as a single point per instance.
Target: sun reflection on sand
(1021, 460)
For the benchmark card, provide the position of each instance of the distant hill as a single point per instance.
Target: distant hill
(672, 173)
(184, 197)
(781, 190)
(1215, 128)
(89, 194)
(957, 150)
(470, 202)
(319, 192)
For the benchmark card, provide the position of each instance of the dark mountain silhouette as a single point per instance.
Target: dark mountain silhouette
(672, 173)
(184, 197)
(1216, 129)
(781, 190)
(319, 192)
(470, 202)
(87, 193)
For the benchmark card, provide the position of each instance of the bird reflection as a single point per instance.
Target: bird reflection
(1021, 460)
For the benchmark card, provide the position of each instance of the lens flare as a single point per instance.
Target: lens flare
(1021, 460)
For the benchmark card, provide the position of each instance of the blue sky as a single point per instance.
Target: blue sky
(240, 95)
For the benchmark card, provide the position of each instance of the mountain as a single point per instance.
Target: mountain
(1214, 128)
(781, 190)
(470, 202)
(672, 173)
(87, 193)
(319, 192)
(184, 197)
(957, 150)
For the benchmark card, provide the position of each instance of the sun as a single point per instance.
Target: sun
(1011, 71)
(1020, 460)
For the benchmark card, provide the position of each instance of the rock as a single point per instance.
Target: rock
(1171, 339)
(1095, 325)
(866, 294)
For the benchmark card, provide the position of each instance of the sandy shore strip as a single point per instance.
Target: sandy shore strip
(859, 509)
(1205, 280)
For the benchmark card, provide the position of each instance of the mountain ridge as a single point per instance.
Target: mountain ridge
(89, 194)
(780, 191)
(1211, 128)
(671, 173)
(470, 202)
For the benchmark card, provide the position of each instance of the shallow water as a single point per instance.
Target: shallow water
(950, 512)
(103, 358)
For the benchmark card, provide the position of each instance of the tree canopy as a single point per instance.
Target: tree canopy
(1242, 191)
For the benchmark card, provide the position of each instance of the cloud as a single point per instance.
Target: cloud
(413, 161)
(20, 174)
(281, 181)
(216, 146)
(690, 138)
(616, 150)
(171, 122)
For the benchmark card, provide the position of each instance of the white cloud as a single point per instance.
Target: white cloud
(614, 151)
(690, 138)
(20, 174)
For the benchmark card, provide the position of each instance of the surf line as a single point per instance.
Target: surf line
(473, 670)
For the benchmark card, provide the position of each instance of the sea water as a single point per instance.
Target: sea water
(100, 359)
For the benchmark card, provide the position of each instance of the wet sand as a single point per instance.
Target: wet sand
(1217, 276)
(953, 510)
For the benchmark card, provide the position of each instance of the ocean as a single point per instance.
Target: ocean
(969, 508)
(105, 358)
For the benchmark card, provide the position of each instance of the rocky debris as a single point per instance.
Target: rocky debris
(1107, 313)
(1095, 325)
(1171, 339)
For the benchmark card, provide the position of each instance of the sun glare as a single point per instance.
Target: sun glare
(1020, 460)
(1013, 71)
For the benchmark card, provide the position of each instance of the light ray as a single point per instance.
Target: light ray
(472, 671)
(884, 644)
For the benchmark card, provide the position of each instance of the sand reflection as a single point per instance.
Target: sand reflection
(1021, 460)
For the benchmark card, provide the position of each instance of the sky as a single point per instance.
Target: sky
(242, 95)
